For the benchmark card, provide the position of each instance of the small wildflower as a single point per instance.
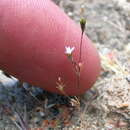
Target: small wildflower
(69, 50)
(80, 64)
(83, 24)
(60, 85)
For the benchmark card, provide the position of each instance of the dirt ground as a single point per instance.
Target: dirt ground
(108, 26)
(107, 105)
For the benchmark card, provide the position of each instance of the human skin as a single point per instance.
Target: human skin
(33, 37)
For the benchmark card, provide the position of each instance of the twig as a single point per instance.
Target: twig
(21, 121)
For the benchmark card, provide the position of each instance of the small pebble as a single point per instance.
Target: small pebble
(42, 114)
(70, 14)
(36, 120)
(128, 78)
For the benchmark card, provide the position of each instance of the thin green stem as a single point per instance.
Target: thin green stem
(80, 51)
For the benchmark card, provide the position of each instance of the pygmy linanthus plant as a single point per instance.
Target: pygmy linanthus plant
(76, 65)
